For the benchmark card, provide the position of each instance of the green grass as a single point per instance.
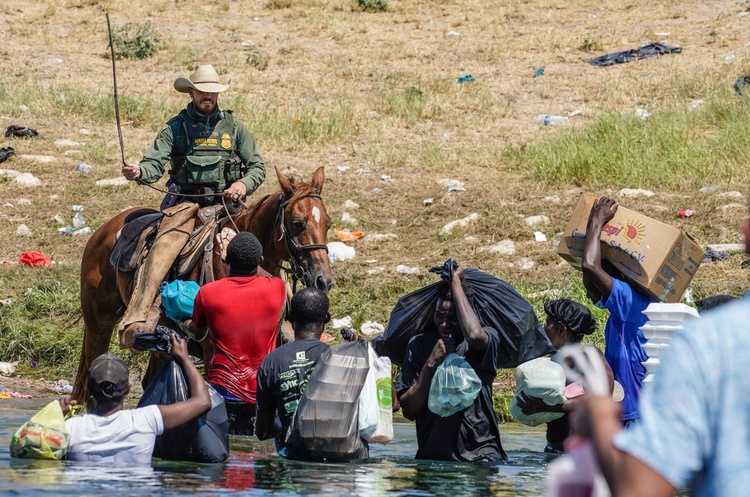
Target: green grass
(676, 148)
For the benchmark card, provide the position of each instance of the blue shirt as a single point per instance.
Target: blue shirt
(695, 415)
(623, 343)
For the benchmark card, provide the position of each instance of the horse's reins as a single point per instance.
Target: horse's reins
(293, 247)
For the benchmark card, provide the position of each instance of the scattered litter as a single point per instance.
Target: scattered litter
(715, 255)
(427, 201)
(524, 263)
(55, 60)
(63, 98)
(538, 72)
(727, 247)
(371, 327)
(67, 143)
(8, 368)
(381, 237)
(8, 204)
(552, 199)
(351, 205)
(635, 192)
(7, 394)
(65, 230)
(34, 259)
(696, 103)
(740, 84)
(27, 179)
(743, 13)
(577, 112)
(34, 364)
(345, 322)
(119, 181)
(452, 33)
(709, 189)
(348, 218)
(592, 16)
(342, 169)
(534, 220)
(557, 238)
(84, 131)
(77, 207)
(247, 43)
(23, 108)
(58, 219)
(344, 235)
(456, 188)
(446, 136)
(651, 50)
(84, 168)
(44, 159)
(732, 194)
(729, 59)
(20, 131)
(403, 269)
(385, 178)
(83, 231)
(685, 213)
(23, 230)
(63, 386)
(6, 153)
(539, 236)
(551, 120)
(339, 252)
(79, 221)
(642, 113)
(505, 247)
(459, 222)
(24, 201)
(371, 261)
(466, 79)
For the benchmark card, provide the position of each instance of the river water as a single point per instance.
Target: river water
(253, 469)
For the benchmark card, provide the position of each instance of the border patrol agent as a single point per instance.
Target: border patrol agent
(210, 152)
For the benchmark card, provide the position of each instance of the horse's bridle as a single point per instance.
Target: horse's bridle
(293, 247)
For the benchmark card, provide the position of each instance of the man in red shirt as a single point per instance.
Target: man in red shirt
(241, 314)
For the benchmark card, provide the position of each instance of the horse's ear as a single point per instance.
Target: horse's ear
(286, 185)
(318, 179)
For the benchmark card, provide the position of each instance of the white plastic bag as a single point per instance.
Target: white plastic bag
(454, 387)
(376, 401)
(576, 473)
(543, 379)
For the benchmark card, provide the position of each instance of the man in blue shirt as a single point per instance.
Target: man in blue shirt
(695, 416)
(606, 287)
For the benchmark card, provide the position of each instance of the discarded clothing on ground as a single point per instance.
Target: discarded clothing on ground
(19, 131)
(5, 153)
(740, 84)
(496, 304)
(714, 255)
(651, 50)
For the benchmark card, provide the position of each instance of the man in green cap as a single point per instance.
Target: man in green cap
(212, 156)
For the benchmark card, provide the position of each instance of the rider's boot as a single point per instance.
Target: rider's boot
(172, 234)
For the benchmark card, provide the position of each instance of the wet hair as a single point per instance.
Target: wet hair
(309, 306)
(709, 303)
(573, 315)
(244, 252)
(445, 293)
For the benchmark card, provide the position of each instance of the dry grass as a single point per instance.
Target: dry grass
(377, 92)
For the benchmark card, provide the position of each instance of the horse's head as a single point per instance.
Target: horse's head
(305, 224)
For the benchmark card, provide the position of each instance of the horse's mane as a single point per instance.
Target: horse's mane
(300, 190)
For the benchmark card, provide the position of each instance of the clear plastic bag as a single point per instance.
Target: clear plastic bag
(376, 401)
(454, 387)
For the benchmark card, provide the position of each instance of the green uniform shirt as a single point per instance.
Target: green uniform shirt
(160, 153)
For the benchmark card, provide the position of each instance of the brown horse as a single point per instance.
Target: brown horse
(291, 224)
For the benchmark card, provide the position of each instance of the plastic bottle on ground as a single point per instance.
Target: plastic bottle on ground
(79, 221)
(84, 168)
(552, 120)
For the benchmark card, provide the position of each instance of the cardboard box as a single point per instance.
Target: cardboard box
(658, 258)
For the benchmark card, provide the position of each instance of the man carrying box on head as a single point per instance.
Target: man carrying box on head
(608, 289)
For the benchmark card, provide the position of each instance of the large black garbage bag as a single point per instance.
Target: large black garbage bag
(496, 304)
(325, 424)
(205, 439)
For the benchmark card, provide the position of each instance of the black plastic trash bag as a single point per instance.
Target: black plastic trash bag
(651, 50)
(205, 439)
(325, 424)
(496, 304)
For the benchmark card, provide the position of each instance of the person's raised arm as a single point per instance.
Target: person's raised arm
(602, 212)
(471, 328)
(199, 402)
(414, 400)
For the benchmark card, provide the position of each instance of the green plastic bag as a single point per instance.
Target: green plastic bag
(43, 436)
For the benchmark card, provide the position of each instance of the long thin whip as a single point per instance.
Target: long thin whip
(114, 80)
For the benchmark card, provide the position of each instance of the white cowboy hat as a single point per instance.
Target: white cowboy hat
(204, 78)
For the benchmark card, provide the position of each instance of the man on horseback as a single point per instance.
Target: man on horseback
(212, 156)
